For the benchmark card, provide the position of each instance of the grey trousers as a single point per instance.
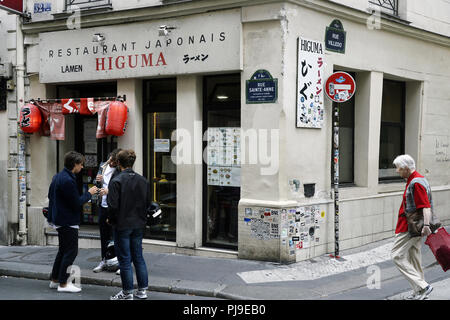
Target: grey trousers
(407, 257)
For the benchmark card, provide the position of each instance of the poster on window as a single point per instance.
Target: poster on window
(224, 157)
(310, 74)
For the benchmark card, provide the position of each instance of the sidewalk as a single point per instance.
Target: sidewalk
(319, 278)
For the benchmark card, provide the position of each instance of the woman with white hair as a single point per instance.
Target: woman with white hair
(406, 250)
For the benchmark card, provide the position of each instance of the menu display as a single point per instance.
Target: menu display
(224, 157)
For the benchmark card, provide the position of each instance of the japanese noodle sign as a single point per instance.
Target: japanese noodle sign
(310, 66)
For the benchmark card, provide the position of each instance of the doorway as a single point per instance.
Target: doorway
(160, 121)
(81, 137)
(222, 172)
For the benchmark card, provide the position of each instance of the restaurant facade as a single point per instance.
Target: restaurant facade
(231, 124)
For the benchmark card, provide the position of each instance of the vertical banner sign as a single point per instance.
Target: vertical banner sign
(340, 87)
(309, 83)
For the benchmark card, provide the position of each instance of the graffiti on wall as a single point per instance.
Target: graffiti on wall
(299, 228)
(442, 149)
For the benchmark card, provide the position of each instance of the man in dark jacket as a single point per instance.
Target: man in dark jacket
(128, 199)
(64, 214)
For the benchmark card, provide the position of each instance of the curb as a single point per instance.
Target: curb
(156, 284)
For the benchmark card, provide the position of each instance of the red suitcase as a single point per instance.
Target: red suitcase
(439, 244)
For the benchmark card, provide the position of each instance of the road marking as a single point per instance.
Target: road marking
(307, 270)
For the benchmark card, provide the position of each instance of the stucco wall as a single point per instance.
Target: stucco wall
(368, 211)
(433, 16)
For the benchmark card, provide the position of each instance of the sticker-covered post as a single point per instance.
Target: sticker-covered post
(339, 88)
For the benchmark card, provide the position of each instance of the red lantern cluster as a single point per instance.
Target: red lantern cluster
(30, 118)
(112, 115)
(116, 118)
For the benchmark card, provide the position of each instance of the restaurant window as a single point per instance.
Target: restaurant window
(81, 137)
(160, 122)
(222, 172)
(392, 133)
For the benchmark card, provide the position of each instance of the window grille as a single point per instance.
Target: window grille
(87, 4)
(388, 6)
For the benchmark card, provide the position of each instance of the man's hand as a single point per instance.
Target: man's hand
(93, 190)
(103, 191)
(426, 231)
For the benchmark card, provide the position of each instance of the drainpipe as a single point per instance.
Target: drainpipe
(21, 140)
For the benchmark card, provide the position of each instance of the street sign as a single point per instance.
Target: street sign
(340, 87)
(262, 88)
(335, 37)
(15, 6)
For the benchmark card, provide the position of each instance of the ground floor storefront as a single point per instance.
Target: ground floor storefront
(231, 127)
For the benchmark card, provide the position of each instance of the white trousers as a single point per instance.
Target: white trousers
(407, 257)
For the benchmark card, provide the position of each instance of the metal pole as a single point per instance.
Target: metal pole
(336, 178)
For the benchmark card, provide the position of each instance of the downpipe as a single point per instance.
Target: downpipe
(22, 236)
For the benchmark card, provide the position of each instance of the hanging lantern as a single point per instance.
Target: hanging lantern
(30, 118)
(116, 118)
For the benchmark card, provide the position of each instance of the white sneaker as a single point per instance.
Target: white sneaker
(53, 285)
(122, 296)
(141, 294)
(100, 267)
(412, 296)
(424, 293)
(118, 272)
(70, 287)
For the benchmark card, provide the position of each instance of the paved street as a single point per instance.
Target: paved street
(29, 289)
(321, 278)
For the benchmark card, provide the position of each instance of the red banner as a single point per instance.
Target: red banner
(15, 5)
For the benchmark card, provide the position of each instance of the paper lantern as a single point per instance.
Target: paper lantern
(116, 118)
(30, 118)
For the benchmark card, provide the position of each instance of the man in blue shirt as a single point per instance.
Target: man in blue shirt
(65, 205)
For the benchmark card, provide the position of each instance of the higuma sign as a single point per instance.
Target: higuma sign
(138, 49)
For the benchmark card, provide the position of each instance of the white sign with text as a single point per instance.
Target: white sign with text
(197, 44)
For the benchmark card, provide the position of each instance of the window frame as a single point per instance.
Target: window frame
(401, 125)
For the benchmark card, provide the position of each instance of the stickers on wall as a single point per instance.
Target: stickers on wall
(299, 226)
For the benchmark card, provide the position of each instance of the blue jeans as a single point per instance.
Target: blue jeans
(128, 247)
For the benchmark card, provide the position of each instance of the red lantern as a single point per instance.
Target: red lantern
(116, 118)
(30, 118)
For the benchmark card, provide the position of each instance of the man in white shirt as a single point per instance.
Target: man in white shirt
(106, 173)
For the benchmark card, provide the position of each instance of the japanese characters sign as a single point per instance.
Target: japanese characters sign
(340, 87)
(194, 44)
(261, 88)
(309, 84)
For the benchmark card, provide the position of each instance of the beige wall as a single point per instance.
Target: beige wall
(369, 210)
(432, 16)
